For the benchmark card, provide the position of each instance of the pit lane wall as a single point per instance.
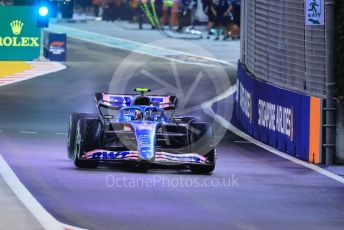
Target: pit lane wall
(286, 120)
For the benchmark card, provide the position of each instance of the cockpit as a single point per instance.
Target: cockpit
(135, 113)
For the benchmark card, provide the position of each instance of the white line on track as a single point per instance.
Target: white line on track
(36, 209)
(243, 142)
(27, 132)
(61, 134)
(207, 109)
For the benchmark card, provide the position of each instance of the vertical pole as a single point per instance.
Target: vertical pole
(41, 56)
(246, 31)
(330, 122)
(243, 27)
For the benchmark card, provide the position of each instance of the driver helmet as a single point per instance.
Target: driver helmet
(138, 115)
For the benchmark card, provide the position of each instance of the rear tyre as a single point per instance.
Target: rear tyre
(202, 138)
(73, 121)
(89, 134)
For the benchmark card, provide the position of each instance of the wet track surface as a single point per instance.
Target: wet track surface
(250, 188)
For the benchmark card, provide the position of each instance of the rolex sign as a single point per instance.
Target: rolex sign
(19, 34)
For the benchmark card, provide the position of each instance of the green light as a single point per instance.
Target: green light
(142, 90)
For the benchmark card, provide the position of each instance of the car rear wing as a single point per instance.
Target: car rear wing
(118, 101)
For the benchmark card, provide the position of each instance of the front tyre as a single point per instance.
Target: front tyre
(89, 133)
(73, 121)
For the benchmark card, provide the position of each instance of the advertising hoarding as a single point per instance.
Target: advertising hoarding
(19, 35)
(283, 119)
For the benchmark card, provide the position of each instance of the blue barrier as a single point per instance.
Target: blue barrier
(277, 117)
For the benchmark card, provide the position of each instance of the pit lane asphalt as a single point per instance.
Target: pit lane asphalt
(259, 191)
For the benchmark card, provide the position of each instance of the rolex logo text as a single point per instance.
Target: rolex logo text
(16, 41)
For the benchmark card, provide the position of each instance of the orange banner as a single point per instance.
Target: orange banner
(315, 130)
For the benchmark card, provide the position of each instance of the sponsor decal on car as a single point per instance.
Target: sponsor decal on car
(146, 126)
(125, 100)
(100, 154)
(110, 155)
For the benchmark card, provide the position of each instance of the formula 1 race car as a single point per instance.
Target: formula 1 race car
(138, 129)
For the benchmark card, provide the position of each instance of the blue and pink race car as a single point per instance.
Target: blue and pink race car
(142, 130)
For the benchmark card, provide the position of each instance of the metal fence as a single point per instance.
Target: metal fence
(277, 46)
